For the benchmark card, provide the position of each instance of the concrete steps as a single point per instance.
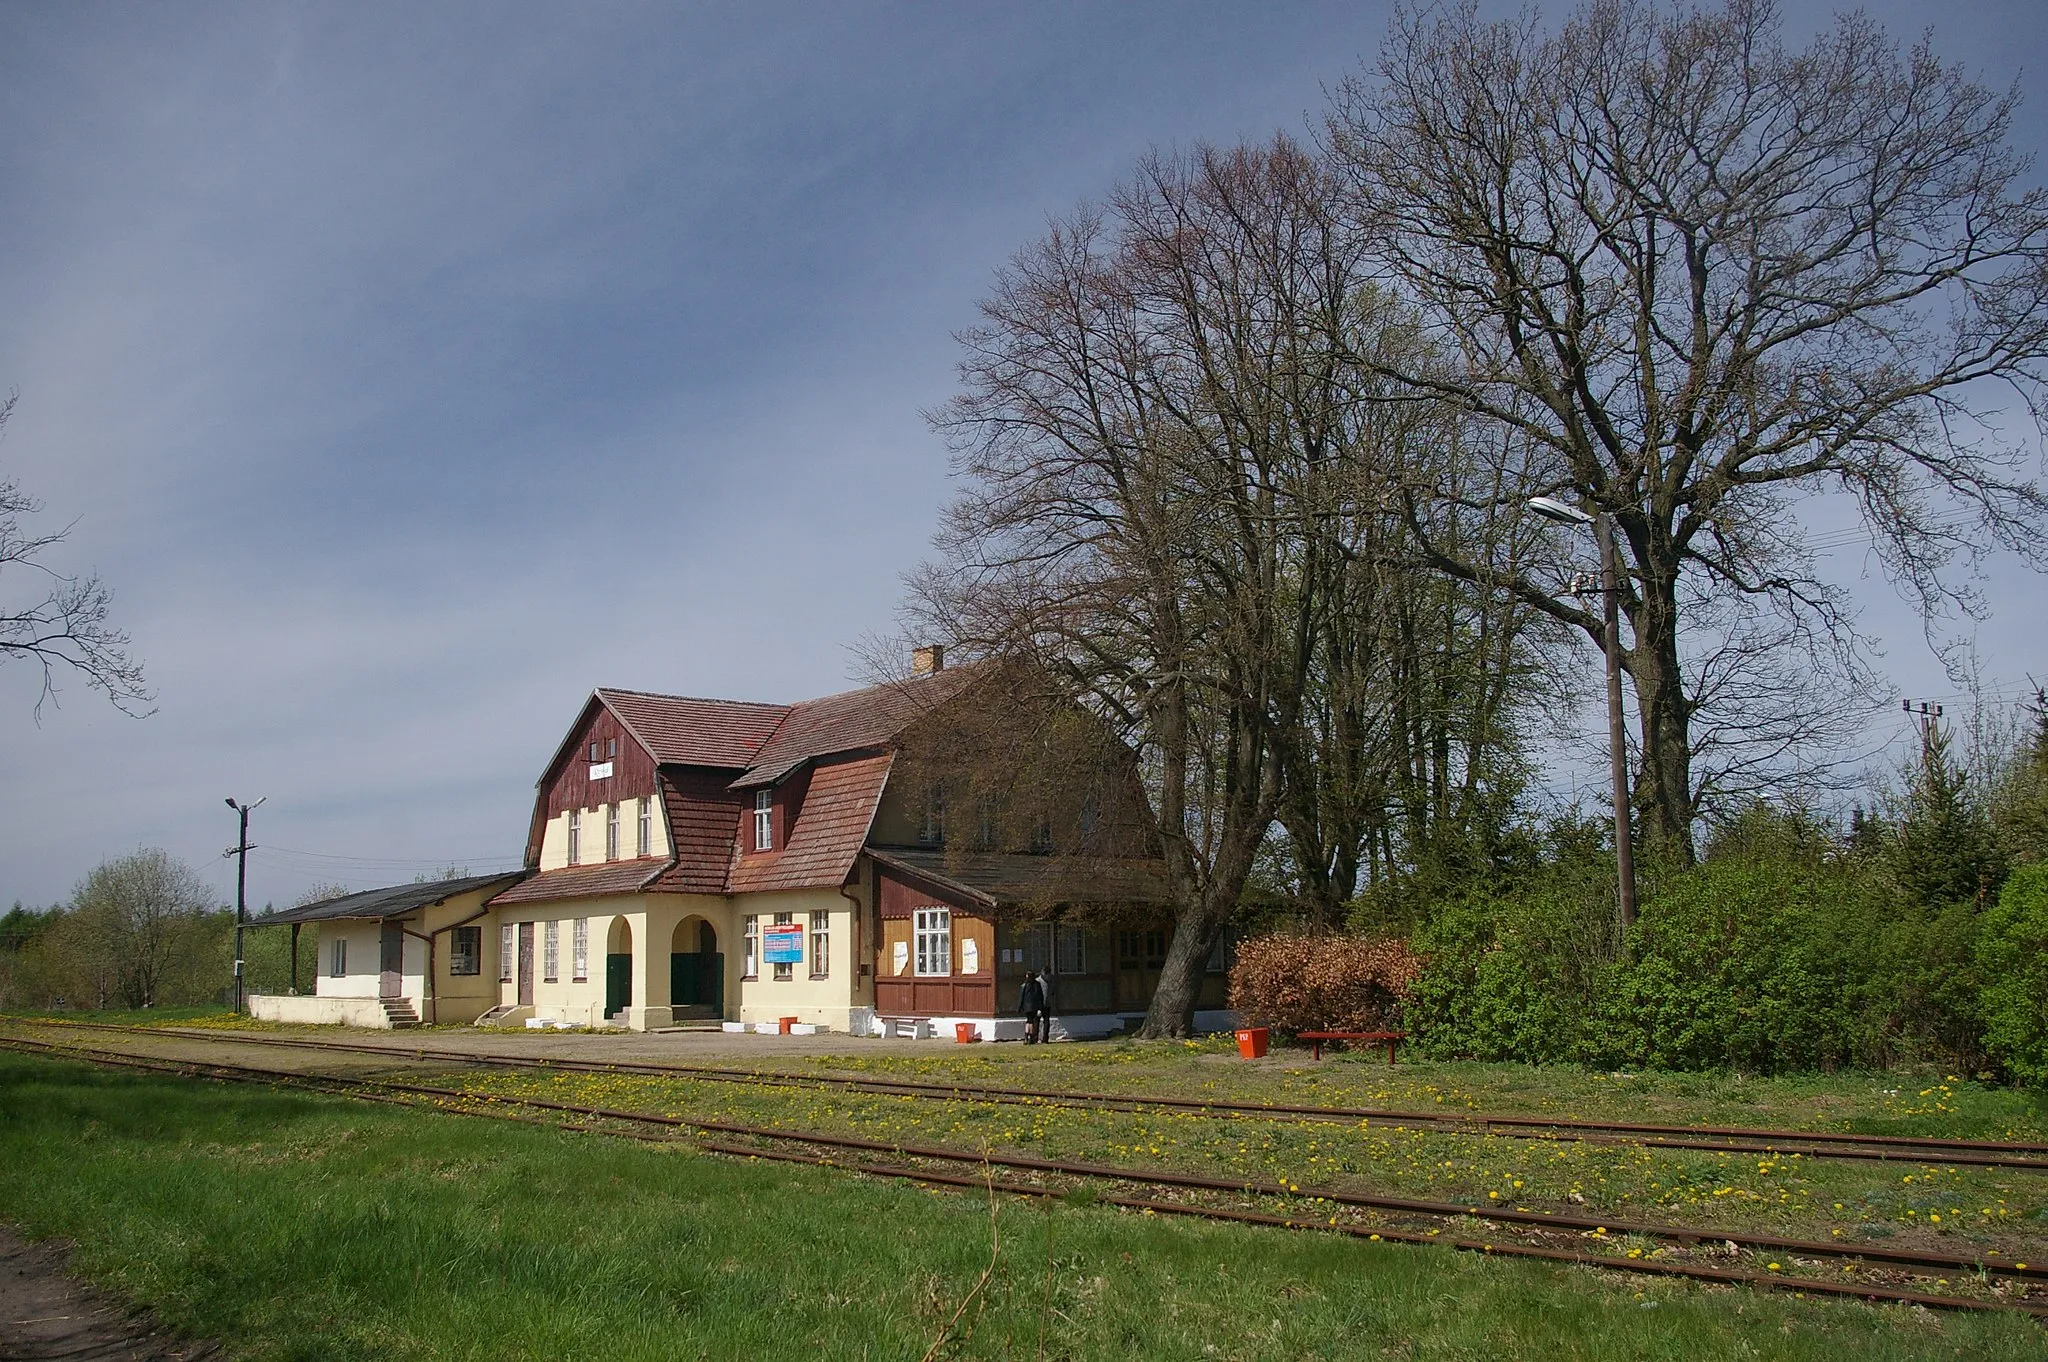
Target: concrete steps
(398, 1012)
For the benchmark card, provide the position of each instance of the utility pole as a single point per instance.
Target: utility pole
(1550, 508)
(241, 850)
(1929, 714)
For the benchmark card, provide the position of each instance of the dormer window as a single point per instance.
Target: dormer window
(764, 820)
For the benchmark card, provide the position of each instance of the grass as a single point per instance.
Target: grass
(295, 1226)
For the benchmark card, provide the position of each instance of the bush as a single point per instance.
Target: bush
(2012, 958)
(1322, 983)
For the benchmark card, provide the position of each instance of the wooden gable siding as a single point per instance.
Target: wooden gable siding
(570, 785)
(908, 994)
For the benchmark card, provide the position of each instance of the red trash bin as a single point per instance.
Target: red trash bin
(787, 1022)
(965, 1033)
(1251, 1042)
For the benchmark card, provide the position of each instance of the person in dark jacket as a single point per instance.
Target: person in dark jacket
(1031, 1002)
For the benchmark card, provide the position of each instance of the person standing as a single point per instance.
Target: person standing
(1031, 1002)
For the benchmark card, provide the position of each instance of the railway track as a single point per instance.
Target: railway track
(1710, 1139)
(1056, 1178)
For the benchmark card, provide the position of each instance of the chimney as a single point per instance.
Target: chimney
(928, 659)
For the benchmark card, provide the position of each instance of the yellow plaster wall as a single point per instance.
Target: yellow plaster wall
(554, 837)
(826, 1001)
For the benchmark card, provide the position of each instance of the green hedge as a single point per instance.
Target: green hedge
(2012, 956)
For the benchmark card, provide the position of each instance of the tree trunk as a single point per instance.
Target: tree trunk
(1663, 786)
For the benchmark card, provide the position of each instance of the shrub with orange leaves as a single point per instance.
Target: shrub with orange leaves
(1322, 983)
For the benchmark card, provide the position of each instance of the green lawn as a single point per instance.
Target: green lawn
(295, 1226)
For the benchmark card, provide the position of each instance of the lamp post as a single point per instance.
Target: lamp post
(241, 851)
(1550, 508)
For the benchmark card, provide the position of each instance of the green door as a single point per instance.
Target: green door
(711, 980)
(618, 984)
(683, 975)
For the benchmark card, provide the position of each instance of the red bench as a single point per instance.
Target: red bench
(1316, 1038)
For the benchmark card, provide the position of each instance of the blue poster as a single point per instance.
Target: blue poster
(783, 945)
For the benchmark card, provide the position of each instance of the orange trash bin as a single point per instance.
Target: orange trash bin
(787, 1022)
(1251, 1042)
(965, 1033)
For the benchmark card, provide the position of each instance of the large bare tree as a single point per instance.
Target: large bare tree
(62, 623)
(1150, 408)
(1689, 276)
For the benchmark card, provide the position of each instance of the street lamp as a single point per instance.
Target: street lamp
(1550, 508)
(241, 849)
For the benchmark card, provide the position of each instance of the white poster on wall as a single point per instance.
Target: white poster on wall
(902, 956)
(970, 957)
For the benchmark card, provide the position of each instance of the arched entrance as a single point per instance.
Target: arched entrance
(618, 967)
(696, 969)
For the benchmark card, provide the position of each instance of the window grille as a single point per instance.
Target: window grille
(575, 836)
(821, 942)
(934, 941)
(646, 827)
(579, 949)
(764, 820)
(1069, 955)
(752, 966)
(611, 832)
(550, 950)
(337, 958)
(506, 954)
(466, 950)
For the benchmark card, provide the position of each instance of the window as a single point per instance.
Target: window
(932, 832)
(593, 752)
(821, 941)
(750, 967)
(646, 827)
(579, 950)
(785, 969)
(575, 836)
(337, 958)
(764, 820)
(505, 954)
(466, 950)
(611, 832)
(550, 950)
(1068, 956)
(611, 749)
(1041, 837)
(1141, 950)
(934, 940)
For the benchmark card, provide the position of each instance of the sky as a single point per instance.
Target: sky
(409, 371)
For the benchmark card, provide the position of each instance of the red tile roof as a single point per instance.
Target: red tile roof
(827, 835)
(686, 731)
(704, 819)
(853, 721)
(582, 881)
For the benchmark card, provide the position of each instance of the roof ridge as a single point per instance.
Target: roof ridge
(693, 699)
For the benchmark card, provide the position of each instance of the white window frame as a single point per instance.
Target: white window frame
(575, 836)
(337, 959)
(507, 952)
(785, 969)
(764, 820)
(932, 938)
(550, 951)
(646, 826)
(611, 831)
(751, 964)
(579, 950)
(475, 958)
(821, 944)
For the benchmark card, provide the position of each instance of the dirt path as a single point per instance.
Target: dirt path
(46, 1314)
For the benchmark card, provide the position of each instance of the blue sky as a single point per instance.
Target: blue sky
(410, 370)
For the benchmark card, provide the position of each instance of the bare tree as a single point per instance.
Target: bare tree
(1689, 277)
(1149, 407)
(64, 626)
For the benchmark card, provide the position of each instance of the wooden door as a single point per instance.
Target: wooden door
(391, 962)
(526, 964)
(618, 983)
(1140, 956)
